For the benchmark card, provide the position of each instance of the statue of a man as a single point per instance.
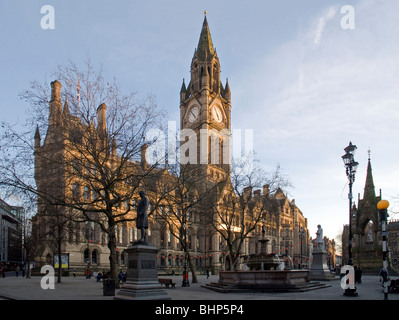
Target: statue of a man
(142, 216)
(319, 238)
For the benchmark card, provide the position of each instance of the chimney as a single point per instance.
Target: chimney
(143, 149)
(55, 104)
(55, 91)
(247, 193)
(265, 190)
(101, 120)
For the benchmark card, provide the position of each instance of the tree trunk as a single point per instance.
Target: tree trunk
(112, 253)
(192, 268)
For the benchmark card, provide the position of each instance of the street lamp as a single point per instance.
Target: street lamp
(185, 282)
(351, 167)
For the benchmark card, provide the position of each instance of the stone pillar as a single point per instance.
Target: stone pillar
(142, 275)
(319, 269)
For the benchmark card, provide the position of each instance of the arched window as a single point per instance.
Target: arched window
(94, 257)
(162, 261)
(86, 256)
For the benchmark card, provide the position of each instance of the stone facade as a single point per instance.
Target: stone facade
(205, 103)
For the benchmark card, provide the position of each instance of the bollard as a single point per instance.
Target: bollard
(382, 207)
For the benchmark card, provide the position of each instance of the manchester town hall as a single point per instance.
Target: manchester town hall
(205, 103)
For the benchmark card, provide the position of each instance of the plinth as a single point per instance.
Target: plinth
(142, 275)
(319, 269)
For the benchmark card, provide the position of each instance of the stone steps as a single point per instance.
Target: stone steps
(224, 288)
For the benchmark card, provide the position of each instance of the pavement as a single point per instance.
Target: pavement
(80, 288)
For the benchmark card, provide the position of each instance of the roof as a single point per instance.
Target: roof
(205, 50)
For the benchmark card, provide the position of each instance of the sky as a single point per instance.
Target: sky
(306, 76)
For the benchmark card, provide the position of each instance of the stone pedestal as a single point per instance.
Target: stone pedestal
(142, 275)
(319, 269)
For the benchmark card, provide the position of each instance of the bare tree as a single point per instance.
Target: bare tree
(240, 207)
(87, 168)
(178, 196)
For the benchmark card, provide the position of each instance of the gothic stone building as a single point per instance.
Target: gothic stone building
(366, 230)
(205, 103)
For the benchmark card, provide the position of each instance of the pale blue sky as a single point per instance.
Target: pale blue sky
(303, 84)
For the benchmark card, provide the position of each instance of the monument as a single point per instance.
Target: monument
(266, 274)
(142, 275)
(319, 269)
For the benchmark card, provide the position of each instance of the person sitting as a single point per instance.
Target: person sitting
(99, 276)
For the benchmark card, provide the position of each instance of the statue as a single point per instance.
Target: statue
(319, 238)
(142, 216)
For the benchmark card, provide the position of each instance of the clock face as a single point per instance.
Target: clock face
(193, 114)
(217, 114)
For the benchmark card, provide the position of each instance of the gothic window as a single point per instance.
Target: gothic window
(162, 261)
(120, 235)
(86, 255)
(70, 233)
(75, 191)
(86, 193)
(162, 236)
(94, 257)
(75, 136)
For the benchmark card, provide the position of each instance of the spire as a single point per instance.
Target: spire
(227, 88)
(66, 107)
(369, 189)
(183, 91)
(37, 137)
(205, 48)
(183, 87)
(226, 92)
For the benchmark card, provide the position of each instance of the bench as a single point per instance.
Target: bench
(167, 282)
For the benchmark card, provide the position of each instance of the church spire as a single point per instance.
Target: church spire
(205, 50)
(369, 189)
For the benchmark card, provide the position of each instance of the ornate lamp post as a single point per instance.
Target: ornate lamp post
(351, 167)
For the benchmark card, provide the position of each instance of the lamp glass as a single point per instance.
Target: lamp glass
(347, 158)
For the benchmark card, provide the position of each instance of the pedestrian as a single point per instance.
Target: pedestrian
(207, 273)
(23, 271)
(74, 272)
(17, 271)
(3, 272)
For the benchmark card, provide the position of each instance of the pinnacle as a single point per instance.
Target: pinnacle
(205, 48)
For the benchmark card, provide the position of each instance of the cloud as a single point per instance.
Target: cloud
(318, 91)
(321, 23)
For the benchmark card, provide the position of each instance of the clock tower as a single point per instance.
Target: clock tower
(205, 111)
